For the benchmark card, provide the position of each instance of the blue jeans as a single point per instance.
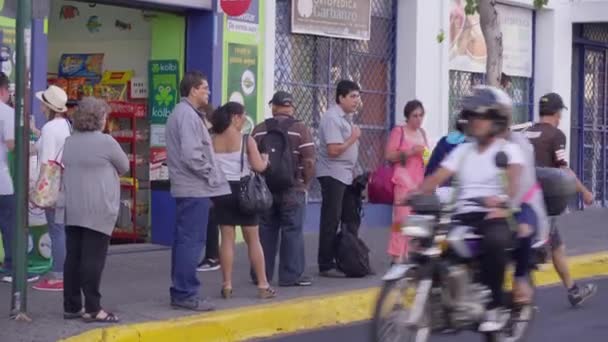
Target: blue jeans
(190, 236)
(7, 226)
(57, 235)
(281, 230)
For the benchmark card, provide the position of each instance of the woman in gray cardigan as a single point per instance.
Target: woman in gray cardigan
(93, 163)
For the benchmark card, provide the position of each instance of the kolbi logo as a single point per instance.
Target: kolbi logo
(162, 112)
(168, 67)
(164, 97)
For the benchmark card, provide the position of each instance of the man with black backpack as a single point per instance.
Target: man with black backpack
(291, 153)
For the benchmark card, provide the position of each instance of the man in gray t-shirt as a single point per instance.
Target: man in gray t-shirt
(337, 153)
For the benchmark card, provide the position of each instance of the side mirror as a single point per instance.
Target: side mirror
(501, 160)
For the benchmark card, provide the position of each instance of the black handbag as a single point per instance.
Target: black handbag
(254, 196)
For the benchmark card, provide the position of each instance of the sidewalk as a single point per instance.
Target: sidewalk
(136, 282)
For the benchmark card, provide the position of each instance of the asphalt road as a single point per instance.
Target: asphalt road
(555, 322)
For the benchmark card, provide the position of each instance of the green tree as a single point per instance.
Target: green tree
(492, 33)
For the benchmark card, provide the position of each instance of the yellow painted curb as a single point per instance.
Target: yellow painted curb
(292, 315)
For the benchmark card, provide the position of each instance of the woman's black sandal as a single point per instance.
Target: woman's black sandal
(109, 318)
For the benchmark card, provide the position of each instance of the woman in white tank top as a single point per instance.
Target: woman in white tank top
(228, 141)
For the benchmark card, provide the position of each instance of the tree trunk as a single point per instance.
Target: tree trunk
(492, 33)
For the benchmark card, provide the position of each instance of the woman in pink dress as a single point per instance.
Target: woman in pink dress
(405, 149)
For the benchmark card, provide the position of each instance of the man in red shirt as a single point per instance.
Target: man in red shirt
(550, 151)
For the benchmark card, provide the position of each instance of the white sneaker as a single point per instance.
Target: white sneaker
(494, 320)
(30, 279)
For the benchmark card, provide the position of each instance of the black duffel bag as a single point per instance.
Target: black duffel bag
(559, 187)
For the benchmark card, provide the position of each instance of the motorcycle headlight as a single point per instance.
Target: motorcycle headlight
(418, 226)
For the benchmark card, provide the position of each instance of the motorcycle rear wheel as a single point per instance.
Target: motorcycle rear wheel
(392, 311)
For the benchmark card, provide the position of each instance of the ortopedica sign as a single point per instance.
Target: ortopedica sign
(349, 19)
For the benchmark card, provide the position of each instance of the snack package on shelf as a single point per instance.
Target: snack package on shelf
(75, 86)
(61, 82)
(112, 125)
(81, 65)
(129, 181)
(115, 85)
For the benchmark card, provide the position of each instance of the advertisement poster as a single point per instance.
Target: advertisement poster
(163, 89)
(248, 22)
(242, 75)
(158, 164)
(242, 69)
(468, 47)
(163, 96)
(350, 19)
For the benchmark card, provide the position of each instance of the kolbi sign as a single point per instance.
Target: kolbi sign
(349, 19)
(163, 96)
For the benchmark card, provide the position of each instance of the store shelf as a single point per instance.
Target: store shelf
(136, 164)
(126, 140)
(127, 110)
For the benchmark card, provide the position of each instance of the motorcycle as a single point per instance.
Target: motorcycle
(438, 290)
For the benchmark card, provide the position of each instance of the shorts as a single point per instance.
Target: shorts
(227, 211)
(526, 215)
(555, 239)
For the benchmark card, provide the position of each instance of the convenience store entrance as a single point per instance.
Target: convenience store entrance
(106, 51)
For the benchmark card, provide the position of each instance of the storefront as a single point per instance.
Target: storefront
(132, 54)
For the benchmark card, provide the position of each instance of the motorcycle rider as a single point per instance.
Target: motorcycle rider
(488, 112)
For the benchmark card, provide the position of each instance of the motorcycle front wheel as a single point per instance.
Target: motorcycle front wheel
(391, 315)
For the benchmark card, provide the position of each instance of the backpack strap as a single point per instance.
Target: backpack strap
(243, 150)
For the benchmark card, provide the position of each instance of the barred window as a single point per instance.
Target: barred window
(309, 67)
(462, 83)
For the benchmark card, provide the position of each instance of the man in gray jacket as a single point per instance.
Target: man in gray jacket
(194, 176)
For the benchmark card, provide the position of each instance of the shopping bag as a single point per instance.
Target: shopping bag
(46, 191)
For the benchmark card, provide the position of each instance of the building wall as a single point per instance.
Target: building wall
(422, 69)
(422, 62)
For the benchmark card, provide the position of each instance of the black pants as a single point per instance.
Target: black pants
(339, 206)
(212, 247)
(85, 259)
(497, 238)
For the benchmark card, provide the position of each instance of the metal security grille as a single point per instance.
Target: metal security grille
(590, 125)
(310, 66)
(462, 83)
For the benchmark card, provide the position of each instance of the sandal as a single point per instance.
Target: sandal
(95, 318)
(73, 315)
(267, 293)
(226, 292)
